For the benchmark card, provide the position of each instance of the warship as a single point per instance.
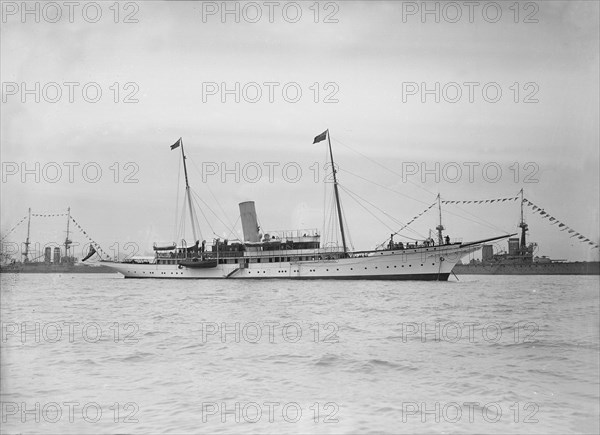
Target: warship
(520, 259)
(53, 259)
(295, 254)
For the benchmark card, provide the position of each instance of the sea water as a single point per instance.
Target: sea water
(487, 354)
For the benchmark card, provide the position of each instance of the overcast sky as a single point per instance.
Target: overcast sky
(171, 65)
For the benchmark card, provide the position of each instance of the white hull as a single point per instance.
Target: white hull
(432, 263)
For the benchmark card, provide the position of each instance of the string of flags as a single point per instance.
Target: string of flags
(416, 217)
(563, 227)
(13, 228)
(481, 201)
(92, 242)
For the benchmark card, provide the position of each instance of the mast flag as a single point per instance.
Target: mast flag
(320, 137)
(176, 144)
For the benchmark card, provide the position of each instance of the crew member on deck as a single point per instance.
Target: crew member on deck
(447, 240)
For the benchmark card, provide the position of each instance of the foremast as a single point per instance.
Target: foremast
(188, 193)
(27, 243)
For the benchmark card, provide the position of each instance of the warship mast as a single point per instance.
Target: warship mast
(26, 254)
(524, 228)
(67, 241)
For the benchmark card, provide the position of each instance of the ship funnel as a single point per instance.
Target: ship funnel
(249, 222)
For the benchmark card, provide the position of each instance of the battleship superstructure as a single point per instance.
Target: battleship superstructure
(521, 260)
(294, 254)
(53, 259)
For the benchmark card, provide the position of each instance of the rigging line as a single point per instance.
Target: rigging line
(396, 221)
(415, 218)
(384, 167)
(183, 220)
(324, 205)
(332, 229)
(212, 194)
(368, 211)
(382, 186)
(14, 228)
(233, 231)
(177, 200)
(334, 222)
(194, 196)
(529, 203)
(354, 196)
(215, 215)
(331, 223)
(481, 220)
(203, 215)
(347, 229)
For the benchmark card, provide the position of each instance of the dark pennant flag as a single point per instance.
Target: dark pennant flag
(176, 144)
(320, 137)
(91, 252)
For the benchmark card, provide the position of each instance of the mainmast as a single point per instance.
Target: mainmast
(67, 241)
(26, 254)
(523, 227)
(337, 195)
(440, 227)
(188, 193)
